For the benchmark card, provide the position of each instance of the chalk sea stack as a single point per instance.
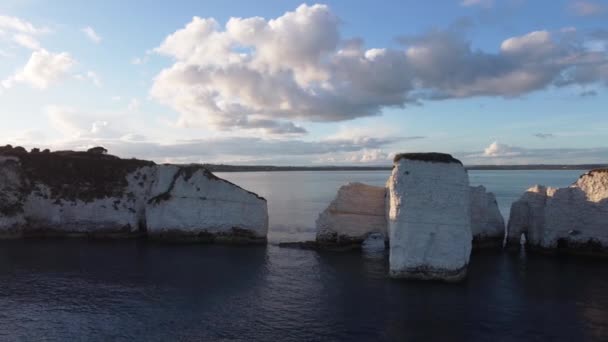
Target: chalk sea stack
(358, 211)
(487, 223)
(429, 218)
(94, 194)
(572, 219)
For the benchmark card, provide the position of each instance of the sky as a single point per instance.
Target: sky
(279, 82)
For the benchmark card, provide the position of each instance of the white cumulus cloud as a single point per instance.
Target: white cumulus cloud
(42, 69)
(255, 72)
(497, 149)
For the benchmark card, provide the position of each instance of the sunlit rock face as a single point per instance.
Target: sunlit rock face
(572, 219)
(193, 204)
(487, 223)
(429, 218)
(358, 211)
(92, 194)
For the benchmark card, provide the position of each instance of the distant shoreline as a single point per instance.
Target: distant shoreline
(268, 168)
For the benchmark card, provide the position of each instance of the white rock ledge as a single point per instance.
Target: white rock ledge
(572, 219)
(88, 194)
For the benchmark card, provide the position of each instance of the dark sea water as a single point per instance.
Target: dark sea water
(75, 290)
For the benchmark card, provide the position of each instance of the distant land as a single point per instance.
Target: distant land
(266, 168)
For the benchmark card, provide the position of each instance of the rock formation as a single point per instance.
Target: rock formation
(572, 219)
(94, 194)
(191, 203)
(357, 211)
(487, 223)
(429, 222)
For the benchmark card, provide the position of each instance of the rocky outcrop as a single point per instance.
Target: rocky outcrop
(93, 194)
(572, 219)
(191, 203)
(429, 220)
(358, 211)
(487, 223)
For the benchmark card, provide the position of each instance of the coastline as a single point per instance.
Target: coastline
(270, 168)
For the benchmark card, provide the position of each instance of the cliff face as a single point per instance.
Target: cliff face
(573, 219)
(357, 211)
(184, 199)
(98, 195)
(487, 223)
(429, 222)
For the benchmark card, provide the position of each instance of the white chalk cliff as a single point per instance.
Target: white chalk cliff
(429, 222)
(357, 211)
(190, 202)
(487, 223)
(97, 195)
(573, 219)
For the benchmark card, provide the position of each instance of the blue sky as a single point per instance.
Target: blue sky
(286, 82)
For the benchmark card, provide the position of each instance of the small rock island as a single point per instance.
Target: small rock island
(428, 214)
(97, 195)
(572, 219)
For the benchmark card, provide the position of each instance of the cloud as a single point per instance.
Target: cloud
(81, 131)
(26, 41)
(497, 149)
(587, 8)
(42, 69)
(21, 32)
(18, 25)
(92, 35)
(76, 125)
(588, 93)
(497, 154)
(544, 135)
(121, 134)
(482, 3)
(297, 68)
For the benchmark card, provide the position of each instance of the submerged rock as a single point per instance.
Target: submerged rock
(94, 194)
(429, 222)
(487, 223)
(572, 219)
(358, 211)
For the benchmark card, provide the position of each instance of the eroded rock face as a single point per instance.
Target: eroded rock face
(358, 211)
(70, 193)
(192, 203)
(429, 220)
(487, 223)
(572, 219)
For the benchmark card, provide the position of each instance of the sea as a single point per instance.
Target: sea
(133, 290)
